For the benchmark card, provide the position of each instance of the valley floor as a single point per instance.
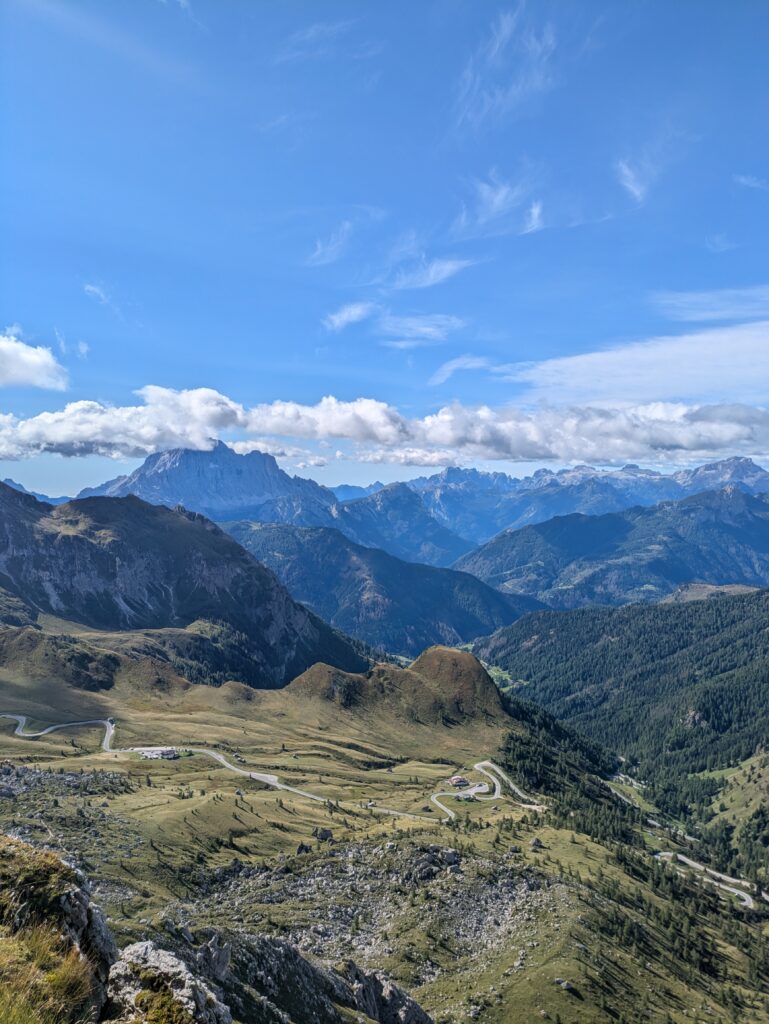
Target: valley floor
(502, 912)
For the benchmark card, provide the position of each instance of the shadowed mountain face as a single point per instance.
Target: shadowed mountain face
(641, 554)
(478, 505)
(121, 564)
(399, 606)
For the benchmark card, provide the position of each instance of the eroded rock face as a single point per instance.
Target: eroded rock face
(85, 926)
(147, 981)
(188, 975)
(37, 888)
(381, 999)
(252, 978)
(293, 990)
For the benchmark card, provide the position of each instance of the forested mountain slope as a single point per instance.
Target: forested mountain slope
(682, 688)
(641, 554)
(399, 606)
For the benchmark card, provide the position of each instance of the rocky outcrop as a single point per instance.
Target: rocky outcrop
(252, 978)
(211, 977)
(380, 998)
(37, 889)
(147, 982)
(85, 926)
(269, 980)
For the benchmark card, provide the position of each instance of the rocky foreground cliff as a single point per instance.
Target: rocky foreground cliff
(59, 965)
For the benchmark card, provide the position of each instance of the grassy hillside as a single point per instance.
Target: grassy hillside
(120, 564)
(547, 901)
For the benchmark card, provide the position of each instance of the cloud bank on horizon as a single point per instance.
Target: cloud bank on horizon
(607, 406)
(535, 247)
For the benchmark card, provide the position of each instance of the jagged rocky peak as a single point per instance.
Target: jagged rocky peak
(736, 470)
(217, 482)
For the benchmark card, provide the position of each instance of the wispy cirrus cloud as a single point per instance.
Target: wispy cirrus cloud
(724, 364)
(636, 178)
(430, 272)
(99, 294)
(493, 209)
(719, 243)
(717, 304)
(316, 40)
(637, 172)
(352, 313)
(418, 329)
(329, 250)
(23, 365)
(102, 33)
(751, 181)
(513, 63)
(447, 370)
(534, 220)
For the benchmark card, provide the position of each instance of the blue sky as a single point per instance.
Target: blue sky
(374, 238)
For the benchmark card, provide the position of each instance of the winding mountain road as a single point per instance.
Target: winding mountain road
(108, 725)
(726, 882)
(487, 768)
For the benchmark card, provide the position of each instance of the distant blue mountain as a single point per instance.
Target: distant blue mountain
(36, 494)
(349, 492)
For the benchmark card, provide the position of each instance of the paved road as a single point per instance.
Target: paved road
(108, 725)
(717, 878)
(479, 791)
(496, 775)
(21, 721)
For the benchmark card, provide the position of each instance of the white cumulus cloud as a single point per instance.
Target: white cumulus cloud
(644, 431)
(23, 365)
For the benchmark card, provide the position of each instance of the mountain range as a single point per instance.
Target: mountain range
(225, 486)
(640, 554)
(567, 538)
(478, 505)
(468, 505)
(389, 603)
(121, 564)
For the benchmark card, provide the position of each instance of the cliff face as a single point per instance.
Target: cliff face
(209, 978)
(122, 564)
(222, 485)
